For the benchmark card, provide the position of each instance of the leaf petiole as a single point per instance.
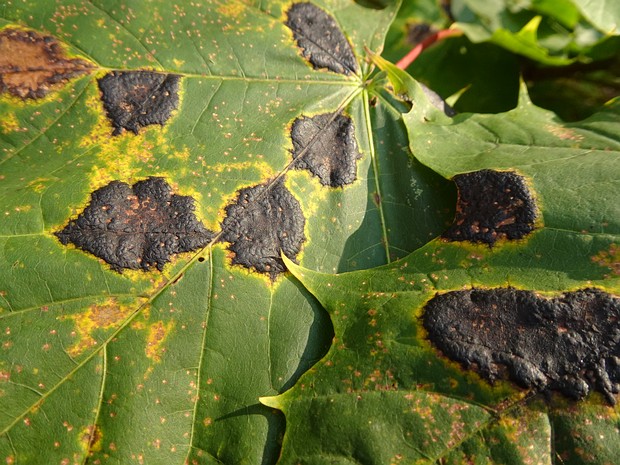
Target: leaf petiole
(415, 52)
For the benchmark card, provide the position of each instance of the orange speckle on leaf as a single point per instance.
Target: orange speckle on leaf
(609, 259)
(158, 332)
(563, 132)
(91, 439)
(98, 316)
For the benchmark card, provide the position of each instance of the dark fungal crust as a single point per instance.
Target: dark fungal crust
(263, 222)
(569, 344)
(134, 99)
(136, 227)
(492, 205)
(320, 39)
(32, 64)
(325, 145)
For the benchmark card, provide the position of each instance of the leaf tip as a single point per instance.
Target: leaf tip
(271, 401)
(292, 266)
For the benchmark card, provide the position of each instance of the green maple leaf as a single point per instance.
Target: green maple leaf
(137, 356)
(385, 393)
(167, 366)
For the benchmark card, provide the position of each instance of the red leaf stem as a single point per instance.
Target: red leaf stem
(405, 61)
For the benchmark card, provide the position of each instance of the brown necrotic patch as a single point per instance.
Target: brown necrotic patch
(492, 205)
(263, 222)
(570, 343)
(320, 39)
(134, 99)
(32, 64)
(325, 145)
(136, 227)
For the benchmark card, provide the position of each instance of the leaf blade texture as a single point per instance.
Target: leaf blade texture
(166, 365)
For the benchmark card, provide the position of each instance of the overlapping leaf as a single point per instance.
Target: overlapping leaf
(551, 32)
(379, 394)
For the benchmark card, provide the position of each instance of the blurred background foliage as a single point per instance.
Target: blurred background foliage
(567, 54)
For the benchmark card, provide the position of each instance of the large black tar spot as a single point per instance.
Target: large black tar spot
(325, 145)
(264, 221)
(491, 205)
(320, 39)
(570, 344)
(136, 227)
(134, 99)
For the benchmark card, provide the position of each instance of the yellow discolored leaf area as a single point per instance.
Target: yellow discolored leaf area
(91, 438)
(32, 64)
(158, 333)
(609, 259)
(232, 10)
(9, 122)
(98, 317)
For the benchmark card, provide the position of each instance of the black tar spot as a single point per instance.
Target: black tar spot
(491, 205)
(569, 344)
(263, 222)
(134, 99)
(320, 39)
(136, 227)
(325, 145)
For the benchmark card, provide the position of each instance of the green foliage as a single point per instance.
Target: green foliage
(167, 367)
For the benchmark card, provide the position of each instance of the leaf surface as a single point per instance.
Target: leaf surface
(603, 14)
(381, 349)
(123, 364)
(167, 366)
(550, 32)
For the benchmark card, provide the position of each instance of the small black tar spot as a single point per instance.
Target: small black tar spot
(264, 221)
(320, 39)
(325, 145)
(569, 344)
(136, 227)
(134, 99)
(491, 205)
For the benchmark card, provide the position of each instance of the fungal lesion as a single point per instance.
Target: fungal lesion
(320, 39)
(609, 259)
(569, 344)
(99, 316)
(135, 99)
(33, 64)
(136, 227)
(325, 145)
(492, 206)
(158, 332)
(263, 222)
